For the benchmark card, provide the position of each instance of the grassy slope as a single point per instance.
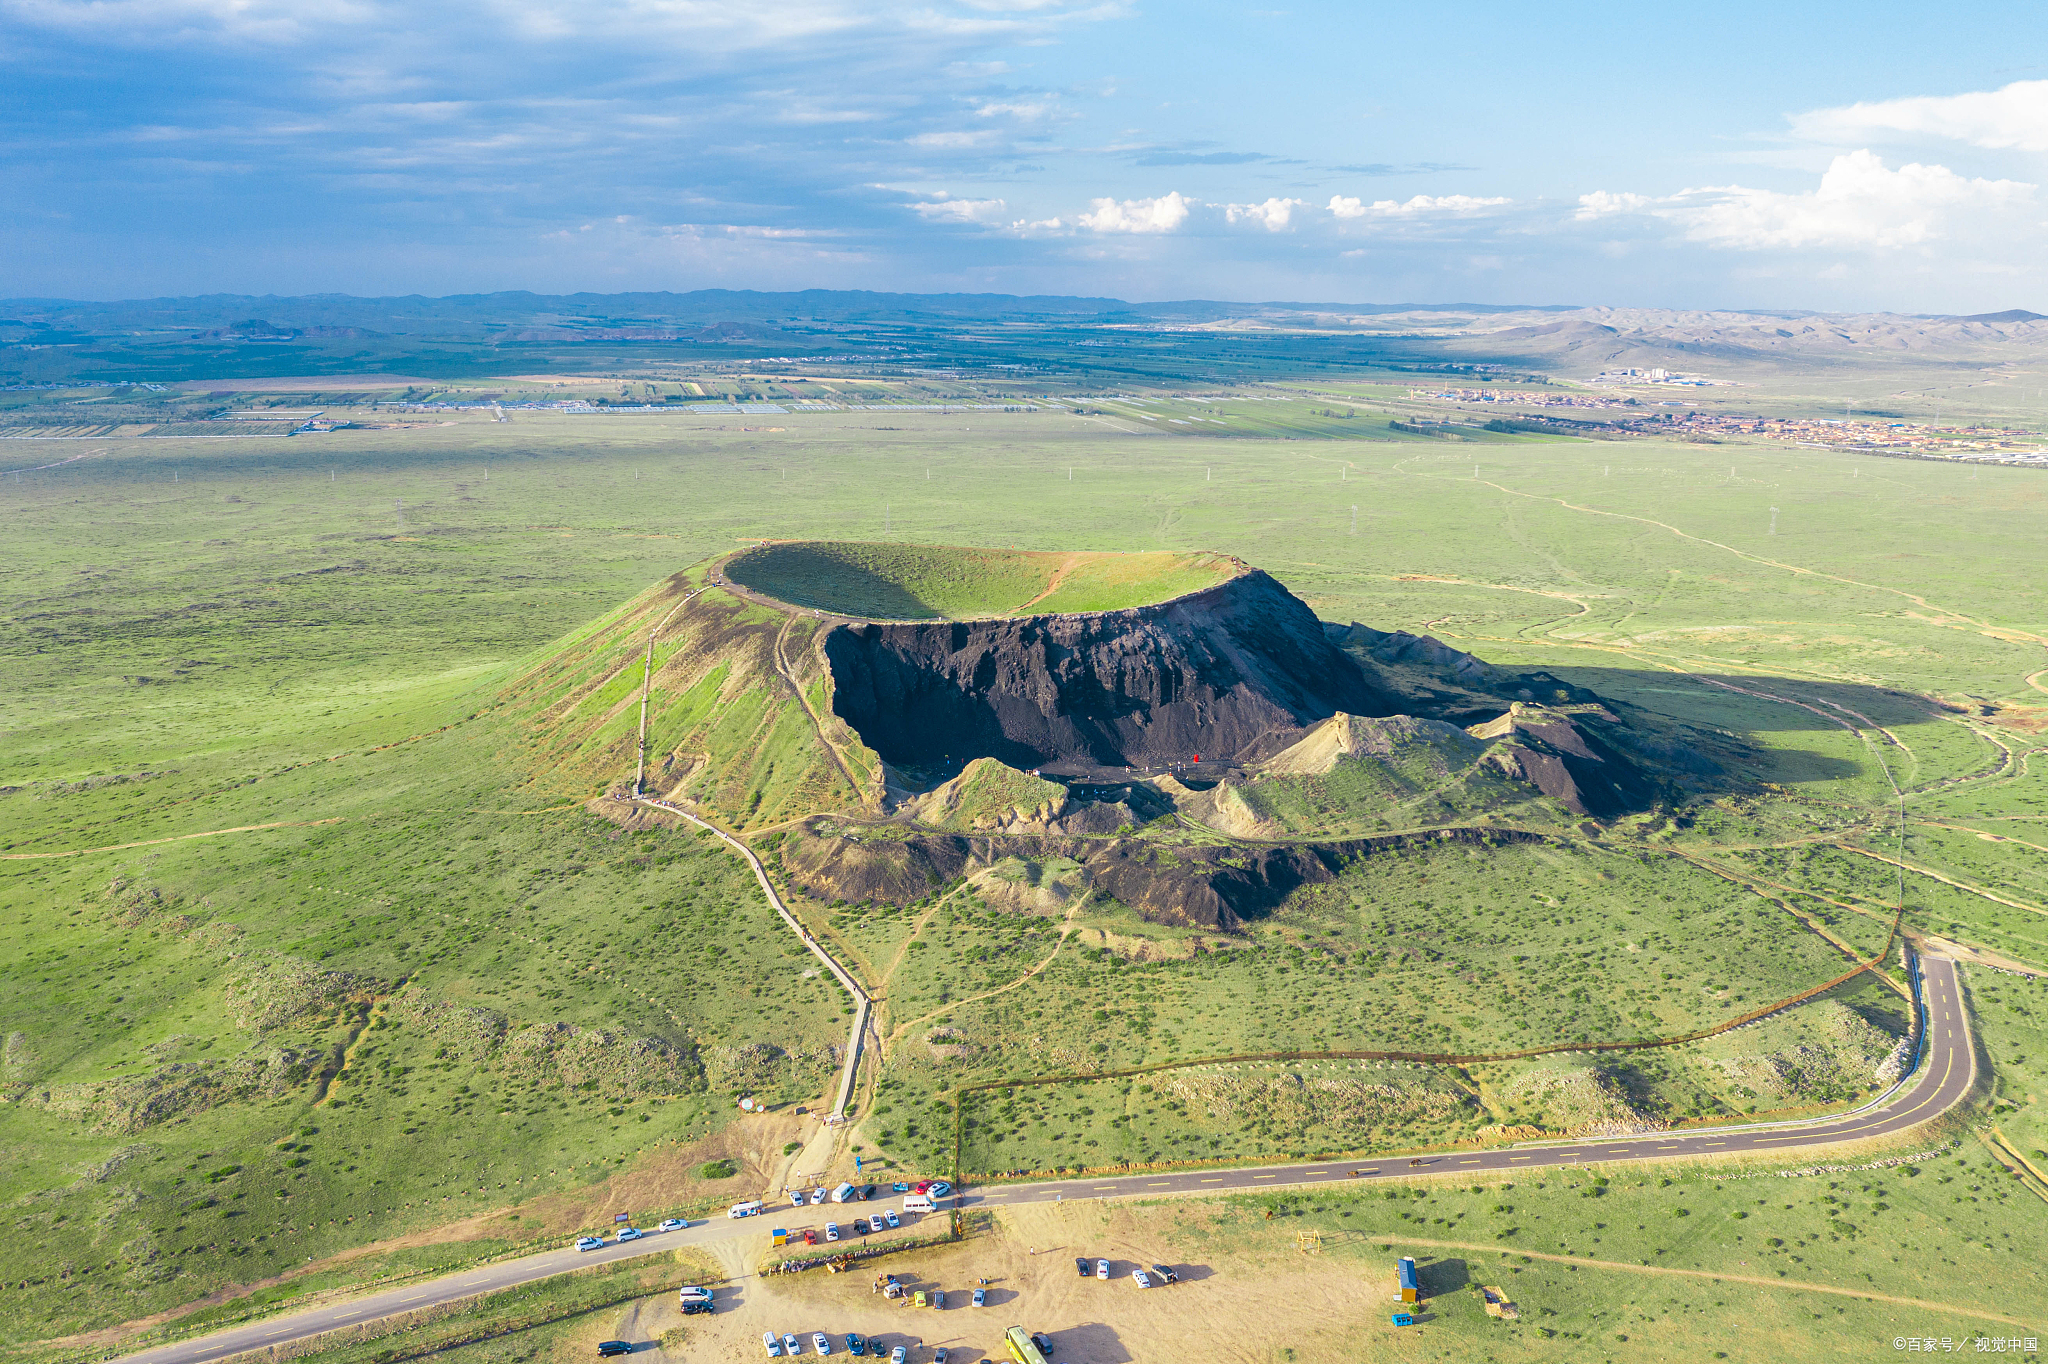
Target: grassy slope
(281, 618)
(726, 730)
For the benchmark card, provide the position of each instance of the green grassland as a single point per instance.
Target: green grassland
(1942, 1246)
(1436, 949)
(258, 643)
(946, 582)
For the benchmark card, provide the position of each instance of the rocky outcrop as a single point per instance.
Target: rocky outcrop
(1565, 758)
(1191, 886)
(1234, 674)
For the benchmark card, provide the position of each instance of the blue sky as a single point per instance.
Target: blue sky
(1739, 155)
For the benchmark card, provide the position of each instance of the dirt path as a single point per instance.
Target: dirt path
(1718, 1276)
(1952, 616)
(179, 838)
(1904, 865)
(1059, 575)
(1066, 931)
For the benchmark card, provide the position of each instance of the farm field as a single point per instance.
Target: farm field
(438, 962)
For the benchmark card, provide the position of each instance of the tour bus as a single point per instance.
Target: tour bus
(1018, 1340)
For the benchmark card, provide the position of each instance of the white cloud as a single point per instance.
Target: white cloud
(1600, 204)
(953, 141)
(2012, 118)
(1273, 215)
(962, 210)
(1859, 203)
(1163, 214)
(1343, 207)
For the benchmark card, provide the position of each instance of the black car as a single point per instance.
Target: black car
(1043, 1342)
(1165, 1275)
(860, 1226)
(607, 1348)
(856, 1344)
(867, 1192)
(691, 1309)
(1085, 1269)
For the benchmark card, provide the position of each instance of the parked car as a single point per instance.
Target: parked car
(889, 1216)
(607, 1348)
(939, 1189)
(1141, 1278)
(856, 1343)
(630, 1234)
(1165, 1274)
(789, 1345)
(898, 1355)
(1082, 1267)
(673, 1224)
(867, 1192)
(900, 1188)
(589, 1242)
(818, 1196)
(774, 1346)
(810, 1236)
(860, 1226)
(941, 1355)
(1102, 1269)
(1043, 1342)
(939, 1298)
(922, 1186)
(821, 1342)
(981, 1297)
(831, 1231)
(796, 1198)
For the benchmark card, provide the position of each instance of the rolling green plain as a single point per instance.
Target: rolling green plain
(312, 948)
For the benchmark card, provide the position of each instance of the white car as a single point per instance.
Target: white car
(589, 1242)
(818, 1196)
(821, 1342)
(672, 1224)
(898, 1355)
(1141, 1278)
(889, 1216)
(789, 1345)
(796, 1198)
(831, 1231)
(1102, 1269)
(630, 1234)
(774, 1346)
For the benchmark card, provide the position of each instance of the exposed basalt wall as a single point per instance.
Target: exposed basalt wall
(1234, 673)
(1216, 888)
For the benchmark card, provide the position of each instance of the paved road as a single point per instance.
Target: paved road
(1946, 1073)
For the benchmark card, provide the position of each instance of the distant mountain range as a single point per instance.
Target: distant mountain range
(224, 334)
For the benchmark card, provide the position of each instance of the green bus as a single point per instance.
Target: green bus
(1021, 1348)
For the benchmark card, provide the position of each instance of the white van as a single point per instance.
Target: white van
(843, 1194)
(917, 1202)
(744, 1209)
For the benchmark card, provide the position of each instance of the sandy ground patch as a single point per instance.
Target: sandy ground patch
(1028, 1260)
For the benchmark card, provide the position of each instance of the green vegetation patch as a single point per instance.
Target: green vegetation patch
(945, 582)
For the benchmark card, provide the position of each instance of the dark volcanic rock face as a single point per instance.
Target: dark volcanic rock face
(1235, 674)
(1186, 887)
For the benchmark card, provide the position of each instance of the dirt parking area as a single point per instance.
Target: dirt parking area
(1028, 1259)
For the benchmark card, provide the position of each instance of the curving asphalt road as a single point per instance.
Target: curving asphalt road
(1946, 1073)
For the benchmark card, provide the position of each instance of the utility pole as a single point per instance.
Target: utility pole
(1774, 521)
(1354, 520)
